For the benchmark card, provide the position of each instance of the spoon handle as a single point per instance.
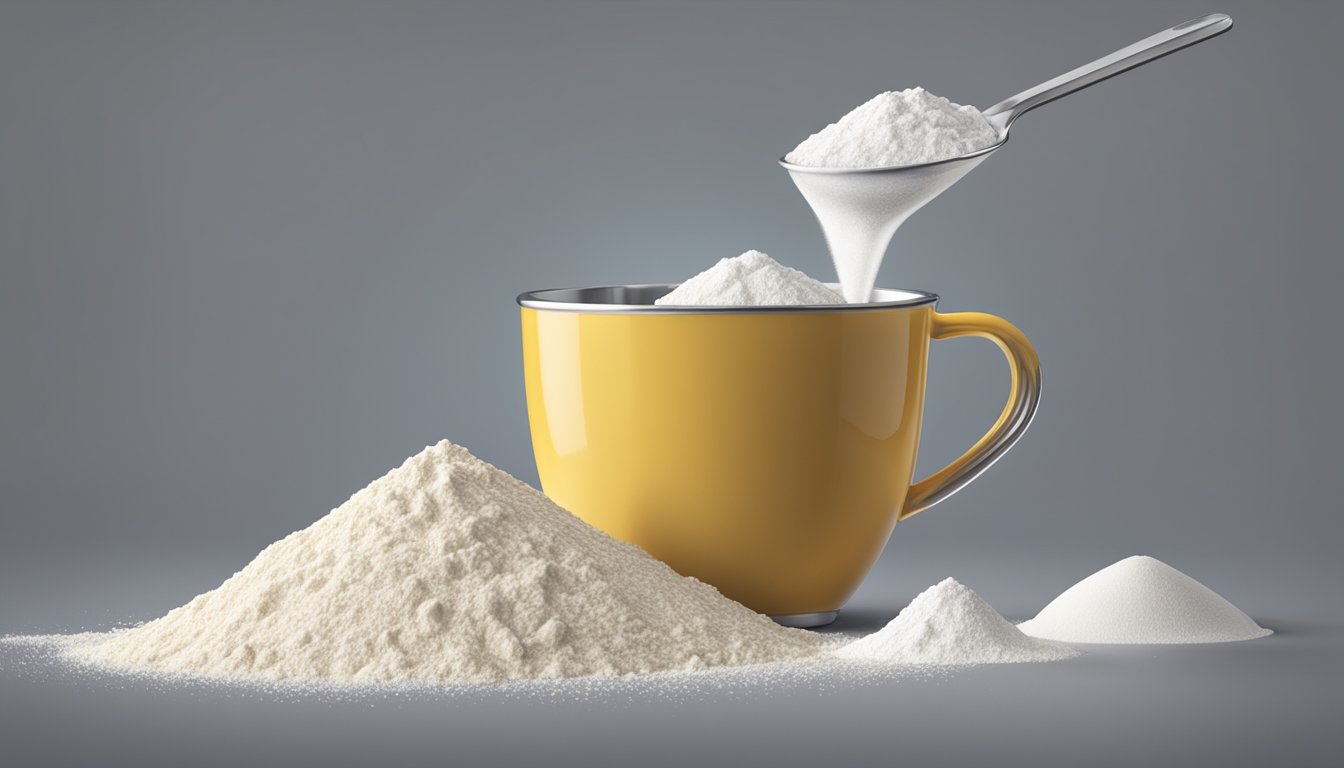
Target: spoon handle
(1142, 52)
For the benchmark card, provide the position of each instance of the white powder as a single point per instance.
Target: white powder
(897, 128)
(1141, 600)
(450, 570)
(949, 624)
(752, 279)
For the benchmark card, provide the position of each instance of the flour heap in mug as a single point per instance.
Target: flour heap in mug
(750, 280)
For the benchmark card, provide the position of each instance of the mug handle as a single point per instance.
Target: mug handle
(1023, 397)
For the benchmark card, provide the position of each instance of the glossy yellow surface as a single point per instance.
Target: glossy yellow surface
(767, 454)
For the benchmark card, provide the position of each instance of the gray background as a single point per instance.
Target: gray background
(254, 254)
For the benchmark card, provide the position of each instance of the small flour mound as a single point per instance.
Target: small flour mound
(1142, 600)
(448, 569)
(949, 624)
(752, 279)
(897, 128)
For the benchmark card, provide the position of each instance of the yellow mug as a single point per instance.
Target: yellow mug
(768, 451)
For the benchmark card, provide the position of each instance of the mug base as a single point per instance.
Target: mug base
(806, 620)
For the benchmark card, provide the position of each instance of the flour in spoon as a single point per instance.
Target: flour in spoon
(897, 128)
(752, 279)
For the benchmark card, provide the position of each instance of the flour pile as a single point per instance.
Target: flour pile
(949, 624)
(450, 570)
(897, 128)
(1142, 600)
(752, 279)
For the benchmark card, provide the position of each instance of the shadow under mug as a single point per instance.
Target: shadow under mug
(768, 451)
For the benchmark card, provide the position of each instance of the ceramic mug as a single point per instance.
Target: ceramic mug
(768, 451)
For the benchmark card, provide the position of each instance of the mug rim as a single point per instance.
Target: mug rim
(638, 298)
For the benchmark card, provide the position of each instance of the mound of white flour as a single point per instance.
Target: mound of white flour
(949, 624)
(897, 128)
(1142, 600)
(752, 279)
(447, 569)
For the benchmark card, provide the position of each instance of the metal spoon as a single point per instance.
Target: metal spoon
(861, 208)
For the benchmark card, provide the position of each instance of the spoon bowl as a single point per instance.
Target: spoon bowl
(860, 209)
